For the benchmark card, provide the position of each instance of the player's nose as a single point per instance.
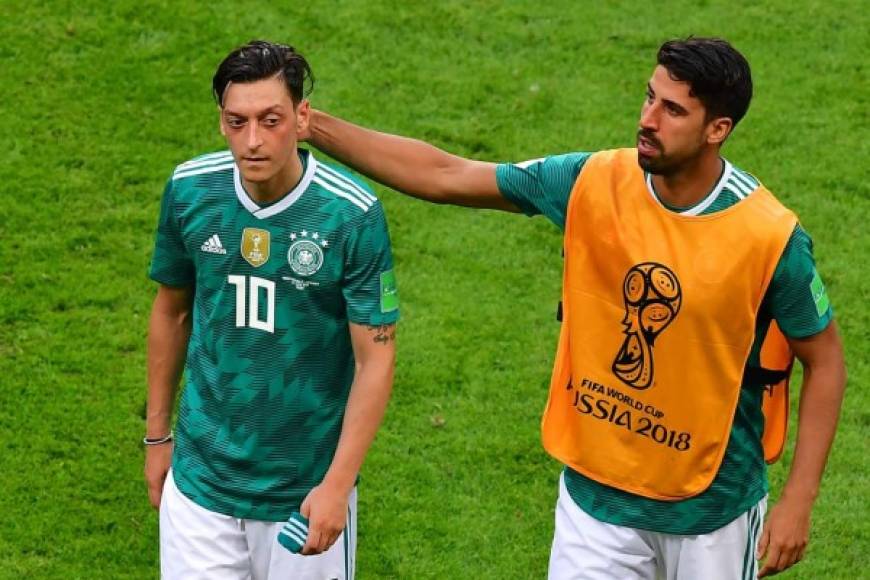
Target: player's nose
(648, 118)
(254, 139)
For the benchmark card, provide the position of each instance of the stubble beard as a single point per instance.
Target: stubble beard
(655, 165)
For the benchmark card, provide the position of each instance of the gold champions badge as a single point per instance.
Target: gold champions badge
(255, 246)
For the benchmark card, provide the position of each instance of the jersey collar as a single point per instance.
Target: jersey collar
(282, 204)
(702, 205)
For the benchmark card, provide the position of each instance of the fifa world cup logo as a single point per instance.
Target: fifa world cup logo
(652, 300)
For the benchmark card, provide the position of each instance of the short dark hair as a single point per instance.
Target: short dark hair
(260, 59)
(717, 73)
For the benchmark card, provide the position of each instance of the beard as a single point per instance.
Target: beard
(659, 164)
(666, 163)
(656, 166)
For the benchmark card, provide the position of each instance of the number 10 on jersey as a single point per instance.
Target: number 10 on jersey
(248, 300)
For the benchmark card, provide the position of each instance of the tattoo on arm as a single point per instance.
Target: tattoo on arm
(384, 333)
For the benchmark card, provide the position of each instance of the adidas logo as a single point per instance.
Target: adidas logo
(213, 246)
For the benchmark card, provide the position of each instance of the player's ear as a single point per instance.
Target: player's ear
(718, 130)
(303, 116)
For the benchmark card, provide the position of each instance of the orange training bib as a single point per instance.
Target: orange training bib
(659, 314)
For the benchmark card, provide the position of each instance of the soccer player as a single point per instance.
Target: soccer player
(677, 266)
(277, 296)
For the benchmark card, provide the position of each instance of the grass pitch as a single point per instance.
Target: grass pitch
(100, 101)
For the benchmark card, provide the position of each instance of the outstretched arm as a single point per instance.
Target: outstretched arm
(409, 165)
(786, 532)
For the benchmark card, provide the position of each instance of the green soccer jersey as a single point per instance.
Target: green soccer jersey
(795, 299)
(270, 361)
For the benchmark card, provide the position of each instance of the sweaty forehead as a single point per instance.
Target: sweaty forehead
(257, 96)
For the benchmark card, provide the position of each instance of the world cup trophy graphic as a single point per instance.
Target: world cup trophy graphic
(652, 297)
(255, 254)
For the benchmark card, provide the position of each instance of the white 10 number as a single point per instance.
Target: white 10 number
(253, 303)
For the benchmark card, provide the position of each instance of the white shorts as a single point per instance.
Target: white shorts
(585, 548)
(199, 544)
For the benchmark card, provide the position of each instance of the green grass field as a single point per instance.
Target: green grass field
(99, 103)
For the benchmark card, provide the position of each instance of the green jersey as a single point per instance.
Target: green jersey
(270, 361)
(795, 298)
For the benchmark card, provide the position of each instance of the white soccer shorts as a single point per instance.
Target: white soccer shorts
(199, 544)
(585, 548)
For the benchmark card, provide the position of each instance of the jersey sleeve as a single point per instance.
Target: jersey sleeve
(796, 297)
(541, 186)
(171, 263)
(369, 285)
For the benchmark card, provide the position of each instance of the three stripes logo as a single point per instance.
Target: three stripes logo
(210, 163)
(294, 533)
(343, 187)
(213, 246)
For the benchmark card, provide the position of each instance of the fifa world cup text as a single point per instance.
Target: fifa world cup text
(625, 412)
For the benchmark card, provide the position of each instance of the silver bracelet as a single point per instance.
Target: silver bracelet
(158, 441)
